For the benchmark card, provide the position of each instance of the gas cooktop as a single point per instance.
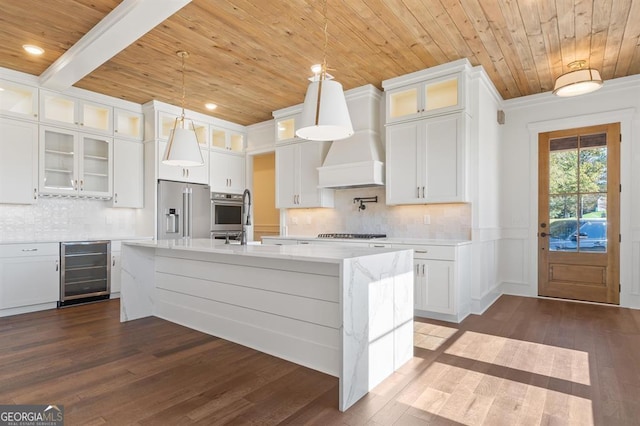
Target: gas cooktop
(353, 236)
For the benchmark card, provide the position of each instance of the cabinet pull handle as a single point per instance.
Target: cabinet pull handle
(417, 192)
(423, 196)
(57, 266)
(423, 269)
(113, 261)
(422, 251)
(31, 249)
(115, 198)
(81, 185)
(75, 184)
(417, 270)
(187, 172)
(378, 245)
(35, 193)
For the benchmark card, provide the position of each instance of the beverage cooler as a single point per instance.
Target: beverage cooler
(85, 273)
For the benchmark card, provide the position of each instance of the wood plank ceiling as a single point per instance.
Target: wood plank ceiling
(253, 57)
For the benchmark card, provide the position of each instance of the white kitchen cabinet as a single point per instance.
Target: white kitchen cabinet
(29, 276)
(128, 124)
(18, 100)
(425, 161)
(297, 175)
(434, 96)
(227, 172)
(73, 163)
(434, 285)
(286, 128)
(18, 162)
(196, 174)
(75, 113)
(441, 280)
(128, 174)
(167, 121)
(226, 139)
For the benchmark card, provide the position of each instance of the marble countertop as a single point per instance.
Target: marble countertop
(307, 253)
(389, 240)
(73, 238)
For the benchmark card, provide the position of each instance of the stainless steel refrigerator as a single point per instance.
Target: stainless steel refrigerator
(184, 210)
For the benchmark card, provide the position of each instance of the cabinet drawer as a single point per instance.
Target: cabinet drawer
(430, 252)
(20, 250)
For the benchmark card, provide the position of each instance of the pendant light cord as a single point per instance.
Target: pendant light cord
(326, 40)
(183, 54)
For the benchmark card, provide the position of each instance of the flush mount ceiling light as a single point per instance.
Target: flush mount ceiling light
(325, 116)
(32, 49)
(210, 106)
(578, 81)
(183, 149)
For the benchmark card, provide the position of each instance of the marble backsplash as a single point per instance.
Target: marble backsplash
(445, 221)
(65, 219)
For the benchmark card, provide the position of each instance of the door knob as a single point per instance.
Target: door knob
(544, 234)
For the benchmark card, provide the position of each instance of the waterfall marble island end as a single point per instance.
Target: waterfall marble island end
(344, 311)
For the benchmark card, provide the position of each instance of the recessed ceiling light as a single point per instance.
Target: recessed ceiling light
(316, 68)
(210, 106)
(34, 50)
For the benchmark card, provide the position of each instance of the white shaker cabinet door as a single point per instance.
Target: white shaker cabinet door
(403, 164)
(26, 281)
(18, 162)
(128, 174)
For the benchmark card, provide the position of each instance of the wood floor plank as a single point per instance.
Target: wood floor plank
(526, 361)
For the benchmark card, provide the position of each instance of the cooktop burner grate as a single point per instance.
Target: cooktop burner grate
(353, 236)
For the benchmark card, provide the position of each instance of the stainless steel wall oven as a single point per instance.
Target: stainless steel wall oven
(226, 214)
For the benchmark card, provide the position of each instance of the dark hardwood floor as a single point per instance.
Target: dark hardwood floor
(525, 361)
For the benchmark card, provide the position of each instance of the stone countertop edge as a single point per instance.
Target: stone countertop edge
(64, 240)
(305, 253)
(389, 240)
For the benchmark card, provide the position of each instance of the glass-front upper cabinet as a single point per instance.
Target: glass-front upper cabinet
(95, 166)
(167, 121)
(58, 166)
(72, 112)
(73, 163)
(226, 139)
(423, 99)
(285, 129)
(128, 124)
(18, 100)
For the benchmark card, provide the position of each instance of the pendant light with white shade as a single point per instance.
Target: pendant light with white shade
(183, 148)
(325, 116)
(578, 81)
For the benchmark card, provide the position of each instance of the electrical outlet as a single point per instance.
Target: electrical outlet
(294, 220)
(308, 220)
(426, 219)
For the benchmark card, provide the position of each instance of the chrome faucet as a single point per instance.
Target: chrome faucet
(243, 238)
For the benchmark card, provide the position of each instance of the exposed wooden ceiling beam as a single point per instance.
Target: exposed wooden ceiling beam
(125, 24)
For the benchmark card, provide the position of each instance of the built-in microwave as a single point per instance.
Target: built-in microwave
(226, 214)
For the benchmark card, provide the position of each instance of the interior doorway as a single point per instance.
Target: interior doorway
(266, 218)
(579, 214)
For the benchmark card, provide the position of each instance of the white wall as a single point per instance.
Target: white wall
(617, 101)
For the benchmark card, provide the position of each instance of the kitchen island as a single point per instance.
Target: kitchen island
(344, 311)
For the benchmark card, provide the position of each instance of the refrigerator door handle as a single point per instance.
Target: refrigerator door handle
(186, 215)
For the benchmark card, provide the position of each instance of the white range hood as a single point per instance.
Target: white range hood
(357, 161)
(353, 162)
